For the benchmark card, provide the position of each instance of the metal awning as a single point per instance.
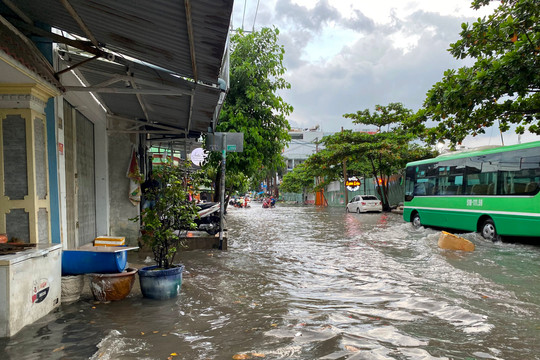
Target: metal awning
(165, 56)
(150, 100)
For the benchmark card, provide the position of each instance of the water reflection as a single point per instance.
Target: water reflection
(309, 283)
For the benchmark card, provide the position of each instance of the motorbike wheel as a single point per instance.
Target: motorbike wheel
(215, 222)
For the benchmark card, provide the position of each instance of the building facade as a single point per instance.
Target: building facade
(302, 145)
(82, 91)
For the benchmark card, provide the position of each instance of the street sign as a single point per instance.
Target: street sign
(235, 141)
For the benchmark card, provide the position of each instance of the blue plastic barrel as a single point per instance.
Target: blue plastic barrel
(76, 262)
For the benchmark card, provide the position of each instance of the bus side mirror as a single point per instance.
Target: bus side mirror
(408, 197)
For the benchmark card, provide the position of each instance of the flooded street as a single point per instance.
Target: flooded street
(312, 283)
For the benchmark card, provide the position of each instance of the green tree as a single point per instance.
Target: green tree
(252, 105)
(171, 214)
(324, 167)
(503, 84)
(380, 155)
(299, 180)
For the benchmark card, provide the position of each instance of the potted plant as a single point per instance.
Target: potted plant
(168, 214)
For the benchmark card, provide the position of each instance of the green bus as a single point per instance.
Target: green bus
(493, 191)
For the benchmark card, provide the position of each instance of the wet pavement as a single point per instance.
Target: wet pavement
(311, 283)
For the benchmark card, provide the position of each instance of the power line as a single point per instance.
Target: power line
(244, 16)
(255, 19)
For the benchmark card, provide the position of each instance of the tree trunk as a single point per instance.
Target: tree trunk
(386, 203)
(384, 198)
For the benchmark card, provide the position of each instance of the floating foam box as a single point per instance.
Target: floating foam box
(110, 241)
(453, 242)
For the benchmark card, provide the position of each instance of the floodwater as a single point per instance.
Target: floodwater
(312, 283)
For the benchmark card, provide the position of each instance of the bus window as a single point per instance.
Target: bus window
(532, 187)
(419, 189)
(449, 178)
(530, 162)
(410, 180)
(520, 173)
(421, 180)
(428, 180)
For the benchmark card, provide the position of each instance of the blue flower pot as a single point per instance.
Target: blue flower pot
(160, 284)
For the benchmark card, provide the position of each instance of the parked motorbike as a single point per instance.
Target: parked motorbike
(208, 219)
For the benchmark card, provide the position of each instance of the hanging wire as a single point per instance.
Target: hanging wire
(244, 16)
(255, 19)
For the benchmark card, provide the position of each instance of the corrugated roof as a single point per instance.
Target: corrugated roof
(174, 110)
(25, 52)
(152, 31)
(156, 32)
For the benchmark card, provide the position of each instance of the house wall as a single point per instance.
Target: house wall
(87, 106)
(121, 209)
(46, 133)
(112, 155)
(25, 206)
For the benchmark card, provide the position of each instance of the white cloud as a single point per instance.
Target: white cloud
(329, 44)
(349, 55)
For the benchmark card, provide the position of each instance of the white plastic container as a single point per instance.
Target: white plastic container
(30, 286)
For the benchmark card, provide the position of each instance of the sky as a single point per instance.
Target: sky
(348, 55)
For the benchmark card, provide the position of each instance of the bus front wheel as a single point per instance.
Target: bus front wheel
(416, 220)
(489, 232)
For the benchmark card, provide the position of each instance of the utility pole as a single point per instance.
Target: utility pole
(316, 151)
(222, 188)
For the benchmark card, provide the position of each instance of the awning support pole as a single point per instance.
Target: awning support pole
(222, 188)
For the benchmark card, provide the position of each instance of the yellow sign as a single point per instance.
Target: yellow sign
(353, 183)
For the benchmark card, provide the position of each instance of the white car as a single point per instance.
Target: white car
(364, 203)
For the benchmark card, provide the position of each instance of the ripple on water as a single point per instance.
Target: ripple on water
(115, 346)
(308, 283)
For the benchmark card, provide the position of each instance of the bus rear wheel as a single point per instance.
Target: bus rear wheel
(488, 231)
(416, 220)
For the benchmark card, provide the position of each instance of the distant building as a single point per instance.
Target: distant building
(303, 145)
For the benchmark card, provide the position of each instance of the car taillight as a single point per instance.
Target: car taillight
(379, 203)
(363, 203)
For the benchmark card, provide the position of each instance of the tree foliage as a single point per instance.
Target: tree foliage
(171, 214)
(380, 155)
(252, 105)
(324, 166)
(503, 84)
(299, 180)
(392, 114)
